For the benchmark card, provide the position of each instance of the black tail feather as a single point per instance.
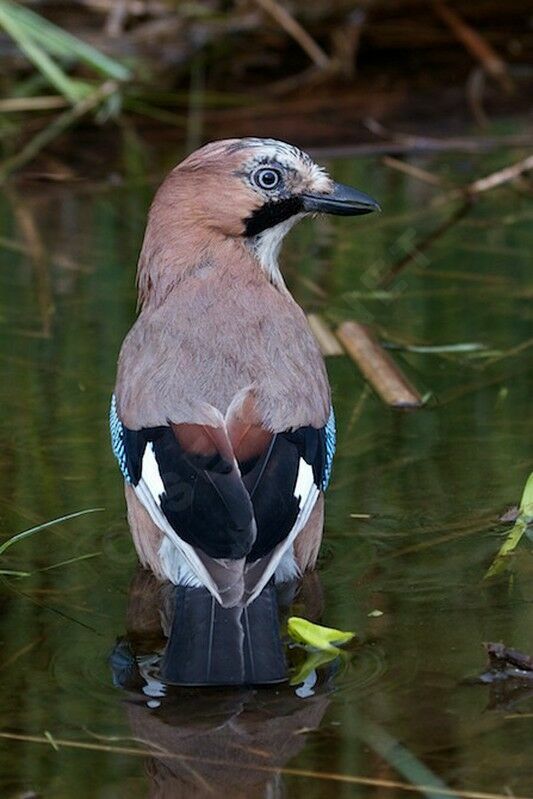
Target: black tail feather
(212, 645)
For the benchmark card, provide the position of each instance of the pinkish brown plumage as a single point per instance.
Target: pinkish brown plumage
(220, 417)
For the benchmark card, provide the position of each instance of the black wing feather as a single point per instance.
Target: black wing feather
(204, 499)
(271, 481)
(212, 507)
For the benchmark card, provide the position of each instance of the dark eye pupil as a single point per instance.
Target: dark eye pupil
(267, 178)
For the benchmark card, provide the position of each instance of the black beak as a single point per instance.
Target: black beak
(342, 200)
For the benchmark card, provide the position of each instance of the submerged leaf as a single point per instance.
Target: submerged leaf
(313, 661)
(315, 636)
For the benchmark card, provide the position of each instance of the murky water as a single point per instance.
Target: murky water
(412, 513)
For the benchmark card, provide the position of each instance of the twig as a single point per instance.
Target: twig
(326, 776)
(16, 104)
(328, 343)
(475, 86)
(424, 245)
(412, 171)
(137, 8)
(39, 258)
(116, 18)
(58, 126)
(492, 63)
(377, 366)
(63, 261)
(500, 177)
(294, 29)
(466, 194)
(519, 348)
(345, 40)
(21, 652)
(411, 144)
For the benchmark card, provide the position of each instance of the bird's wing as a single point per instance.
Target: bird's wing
(230, 495)
(187, 478)
(284, 474)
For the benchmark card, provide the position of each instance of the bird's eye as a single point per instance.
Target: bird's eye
(267, 178)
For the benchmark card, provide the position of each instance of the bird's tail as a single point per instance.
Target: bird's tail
(212, 645)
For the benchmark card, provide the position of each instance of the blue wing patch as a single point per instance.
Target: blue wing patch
(117, 439)
(330, 440)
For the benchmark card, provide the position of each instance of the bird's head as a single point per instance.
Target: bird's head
(252, 190)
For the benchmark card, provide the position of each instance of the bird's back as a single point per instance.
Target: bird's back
(224, 329)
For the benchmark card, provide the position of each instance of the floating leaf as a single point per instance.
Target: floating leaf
(525, 517)
(320, 638)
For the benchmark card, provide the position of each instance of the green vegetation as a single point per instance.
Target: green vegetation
(14, 539)
(523, 521)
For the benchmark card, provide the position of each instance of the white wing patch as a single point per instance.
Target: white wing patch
(304, 482)
(182, 564)
(150, 473)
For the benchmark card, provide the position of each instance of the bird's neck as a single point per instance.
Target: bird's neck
(265, 248)
(166, 261)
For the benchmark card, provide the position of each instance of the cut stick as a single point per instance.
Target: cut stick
(327, 341)
(377, 366)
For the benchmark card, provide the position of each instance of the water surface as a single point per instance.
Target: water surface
(412, 512)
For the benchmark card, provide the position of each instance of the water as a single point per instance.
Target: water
(432, 484)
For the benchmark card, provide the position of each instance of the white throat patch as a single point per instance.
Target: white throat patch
(266, 246)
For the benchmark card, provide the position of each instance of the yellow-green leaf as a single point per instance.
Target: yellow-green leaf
(313, 635)
(526, 503)
(513, 538)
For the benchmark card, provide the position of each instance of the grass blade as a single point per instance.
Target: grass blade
(27, 533)
(61, 43)
(67, 562)
(55, 128)
(53, 73)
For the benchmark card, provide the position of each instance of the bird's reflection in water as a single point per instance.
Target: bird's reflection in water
(210, 741)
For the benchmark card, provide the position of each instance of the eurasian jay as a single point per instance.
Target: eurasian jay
(221, 419)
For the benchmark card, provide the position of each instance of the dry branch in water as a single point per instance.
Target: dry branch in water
(377, 366)
(501, 657)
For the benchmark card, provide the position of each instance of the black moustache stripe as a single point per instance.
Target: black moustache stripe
(270, 214)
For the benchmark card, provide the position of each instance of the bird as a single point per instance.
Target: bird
(221, 417)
